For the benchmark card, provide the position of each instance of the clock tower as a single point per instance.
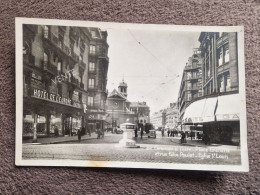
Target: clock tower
(122, 88)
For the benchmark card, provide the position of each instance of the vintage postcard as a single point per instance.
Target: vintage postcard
(96, 94)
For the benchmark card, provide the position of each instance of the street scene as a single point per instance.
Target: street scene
(130, 95)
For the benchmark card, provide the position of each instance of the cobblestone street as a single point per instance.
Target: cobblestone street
(161, 149)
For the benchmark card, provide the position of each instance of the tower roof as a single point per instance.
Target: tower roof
(123, 84)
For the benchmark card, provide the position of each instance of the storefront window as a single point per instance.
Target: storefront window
(76, 124)
(28, 125)
(55, 121)
(41, 125)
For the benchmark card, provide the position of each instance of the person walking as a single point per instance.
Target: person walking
(168, 132)
(56, 131)
(142, 132)
(79, 134)
(136, 132)
(183, 135)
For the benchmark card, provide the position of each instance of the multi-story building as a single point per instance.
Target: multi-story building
(158, 119)
(56, 61)
(191, 84)
(97, 79)
(172, 116)
(141, 111)
(217, 110)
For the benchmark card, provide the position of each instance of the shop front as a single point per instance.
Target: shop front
(96, 121)
(46, 115)
(216, 118)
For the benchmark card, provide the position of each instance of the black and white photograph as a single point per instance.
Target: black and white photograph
(96, 94)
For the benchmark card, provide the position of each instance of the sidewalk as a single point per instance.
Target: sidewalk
(200, 143)
(55, 140)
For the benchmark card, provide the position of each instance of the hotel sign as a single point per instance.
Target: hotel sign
(51, 97)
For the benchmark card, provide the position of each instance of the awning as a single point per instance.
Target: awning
(200, 111)
(228, 108)
(209, 109)
(194, 112)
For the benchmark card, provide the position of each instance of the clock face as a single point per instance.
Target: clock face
(115, 105)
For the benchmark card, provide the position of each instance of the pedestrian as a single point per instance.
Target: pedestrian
(136, 132)
(142, 132)
(183, 136)
(168, 132)
(79, 134)
(162, 132)
(198, 135)
(56, 131)
(171, 133)
(98, 134)
(83, 132)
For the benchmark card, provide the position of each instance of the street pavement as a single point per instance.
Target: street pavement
(159, 150)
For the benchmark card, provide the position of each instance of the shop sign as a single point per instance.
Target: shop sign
(97, 117)
(51, 97)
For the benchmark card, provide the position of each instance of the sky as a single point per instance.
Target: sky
(150, 62)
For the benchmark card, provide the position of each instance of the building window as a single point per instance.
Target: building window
(226, 54)
(90, 101)
(228, 85)
(59, 67)
(92, 49)
(224, 82)
(93, 34)
(91, 83)
(45, 57)
(91, 66)
(46, 32)
(220, 57)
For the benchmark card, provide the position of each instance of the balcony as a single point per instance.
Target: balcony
(33, 28)
(222, 40)
(103, 56)
(191, 67)
(49, 68)
(91, 88)
(75, 81)
(62, 28)
(74, 56)
(53, 39)
(82, 64)
(192, 77)
(81, 85)
(191, 88)
(29, 59)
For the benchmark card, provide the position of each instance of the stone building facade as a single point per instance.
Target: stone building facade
(216, 113)
(56, 61)
(172, 116)
(158, 119)
(191, 83)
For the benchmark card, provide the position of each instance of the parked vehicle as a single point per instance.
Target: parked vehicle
(152, 134)
(119, 131)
